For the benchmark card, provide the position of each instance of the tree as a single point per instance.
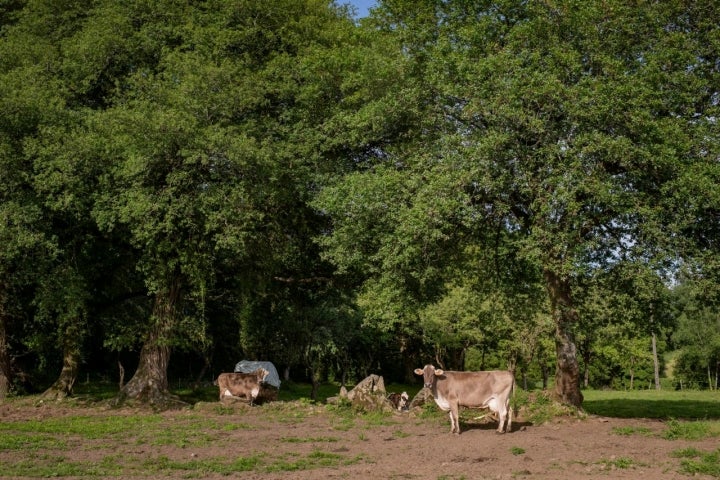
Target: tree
(696, 334)
(30, 99)
(208, 147)
(560, 125)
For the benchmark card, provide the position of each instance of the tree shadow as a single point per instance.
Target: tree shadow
(489, 424)
(654, 408)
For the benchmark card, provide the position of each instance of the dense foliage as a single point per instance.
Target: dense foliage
(490, 184)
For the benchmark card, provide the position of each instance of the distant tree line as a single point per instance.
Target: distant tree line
(491, 184)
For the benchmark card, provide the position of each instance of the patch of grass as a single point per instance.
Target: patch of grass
(308, 440)
(29, 442)
(517, 450)
(194, 394)
(620, 463)
(689, 452)
(183, 438)
(539, 407)
(291, 412)
(315, 459)
(291, 391)
(628, 431)
(698, 462)
(57, 466)
(400, 434)
(221, 409)
(343, 415)
(344, 424)
(205, 466)
(89, 427)
(662, 404)
(676, 429)
(229, 427)
(95, 390)
(377, 419)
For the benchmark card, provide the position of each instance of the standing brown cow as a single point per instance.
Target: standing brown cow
(247, 385)
(452, 390)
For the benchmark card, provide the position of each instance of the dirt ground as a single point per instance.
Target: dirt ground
(404, 446)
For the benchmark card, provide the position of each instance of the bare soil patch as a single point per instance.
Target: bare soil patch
(399, 446)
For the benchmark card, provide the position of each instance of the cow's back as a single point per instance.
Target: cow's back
(475, 389)
(238, 385)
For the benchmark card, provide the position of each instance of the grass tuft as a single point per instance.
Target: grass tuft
(677, 430)
(620, 463)
(628, 431)
(696, 462)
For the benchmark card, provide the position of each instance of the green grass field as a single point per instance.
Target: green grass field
(661, 404)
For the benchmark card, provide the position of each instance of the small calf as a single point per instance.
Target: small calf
(399, 400)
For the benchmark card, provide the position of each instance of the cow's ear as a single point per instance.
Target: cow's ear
(418, 371)
(439, 372)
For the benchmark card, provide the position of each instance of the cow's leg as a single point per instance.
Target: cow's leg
(509, 417)
(454, 417)
(502, 413)
(254, 394)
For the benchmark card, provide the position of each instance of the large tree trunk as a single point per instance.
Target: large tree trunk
(567, 376)
(63, 386)
(149, 385)
(4, 357)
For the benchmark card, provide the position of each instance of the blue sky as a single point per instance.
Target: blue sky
(361, 5)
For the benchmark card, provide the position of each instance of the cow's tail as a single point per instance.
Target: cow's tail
(510, 401)
(511, 397)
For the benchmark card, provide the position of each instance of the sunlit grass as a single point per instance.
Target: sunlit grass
(698, 430)
(628, 431)
(697, 462)
(662, 404)
(620, 463)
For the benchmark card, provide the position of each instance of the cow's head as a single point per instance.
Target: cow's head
(261, 374)
(429, 373)
(403, 401)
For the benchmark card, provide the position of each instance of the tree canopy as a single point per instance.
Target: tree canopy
(481, 183)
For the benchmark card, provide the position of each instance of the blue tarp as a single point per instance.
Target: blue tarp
(249, 366)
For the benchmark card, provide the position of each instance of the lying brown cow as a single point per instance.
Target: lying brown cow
(452, 390)
(399, 400)
(241, 385)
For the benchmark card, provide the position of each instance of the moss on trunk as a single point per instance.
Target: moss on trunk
(567, 375)
(149, 384)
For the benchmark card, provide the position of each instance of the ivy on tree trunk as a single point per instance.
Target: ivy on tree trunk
(567, 376)
(63, 386)
(4, 358)
(149, 384)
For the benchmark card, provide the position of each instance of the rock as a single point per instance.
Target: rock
(372, 384)
(368, 395)
(423, 396)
